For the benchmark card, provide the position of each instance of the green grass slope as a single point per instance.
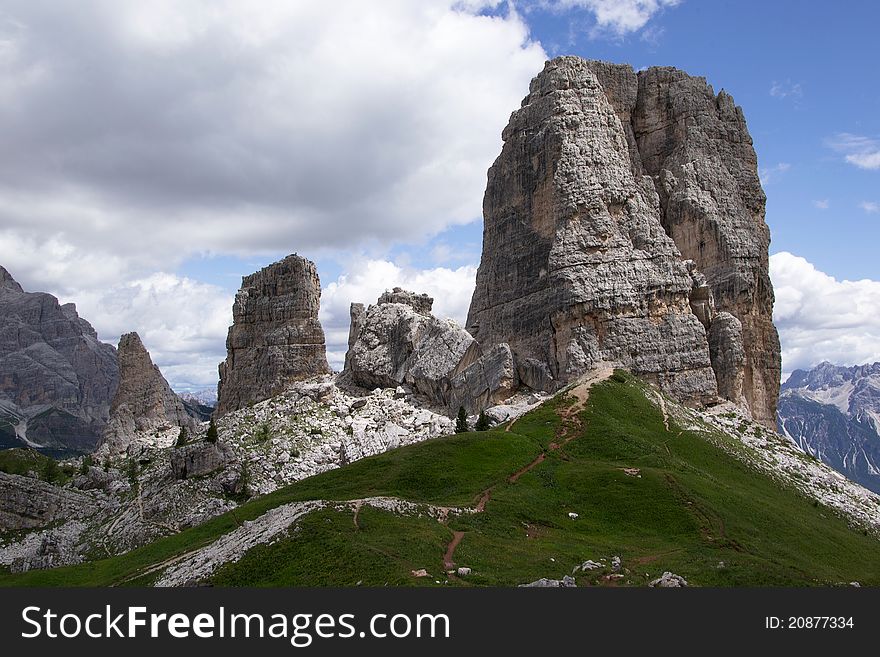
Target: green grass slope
(691, 509)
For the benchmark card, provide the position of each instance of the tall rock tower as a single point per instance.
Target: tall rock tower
(275, 338)
(145, 410)
(697, 149)
(624, 222)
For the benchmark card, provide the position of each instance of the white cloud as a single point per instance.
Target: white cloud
(787, 89)
(618, 17)
(870, 206)
(366, 280)
(152, 131)
(863, 152)
(771, 174)
(821, 318)
(182, 323)
(822, 203)
(142, 134)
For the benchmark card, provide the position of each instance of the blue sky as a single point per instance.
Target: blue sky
(163, 150)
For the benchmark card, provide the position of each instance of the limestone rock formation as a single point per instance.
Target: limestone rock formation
(421, 303)
(623, 212)
(397, 341)
(486, 381)
(199, 459)
(728, 354)
(27, 503)
(356, 313)
(56, 377)
(697, 148)
(576, 267)
(275, 338)
(400, 341)
(145, 410)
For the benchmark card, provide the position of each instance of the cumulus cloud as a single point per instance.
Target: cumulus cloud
(822, 203)
(366, 280)
(771, 174)
(858, 150)
(870, 206)
(152, 131)
(182, 323)
(821, 318)
(140, 134)
(618, 17)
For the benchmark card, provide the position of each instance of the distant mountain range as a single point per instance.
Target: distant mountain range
(199, 404)
(833, 413)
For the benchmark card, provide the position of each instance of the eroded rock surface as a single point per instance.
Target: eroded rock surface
(399, 342)
(56, 377)
(697, 148)
(28, 503)
(199, 459)
(577, 268)
(275, 338)
(145, 410)
(623, 212)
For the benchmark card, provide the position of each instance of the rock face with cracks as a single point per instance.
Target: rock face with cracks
(56, 377)
(144, 409)
(276, 338)
(623, 213)
(398, 342)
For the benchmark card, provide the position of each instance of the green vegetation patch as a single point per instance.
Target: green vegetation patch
(624, 485)
(382, 549)
(23, 461)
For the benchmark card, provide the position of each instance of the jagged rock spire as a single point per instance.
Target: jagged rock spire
(275, 338)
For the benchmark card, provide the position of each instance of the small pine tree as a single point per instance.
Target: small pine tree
(211, 436)
(482, 422)
(85, 464)
(132, 470)
(245, 479)
(50, 470)
(181, 437)
(262, 433)
(461, 425)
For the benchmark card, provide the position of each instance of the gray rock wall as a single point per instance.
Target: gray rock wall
(275, 338)
(609, 181)
(397, 341)
(577, 268)
(696, 146)
(56, 377)
(144, 404)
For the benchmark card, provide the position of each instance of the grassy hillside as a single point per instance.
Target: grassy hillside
(659, 499)
(26, 461)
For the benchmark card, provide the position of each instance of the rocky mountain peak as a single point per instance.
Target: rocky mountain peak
(275, 338)
(144, 409)
(833, 412)
(421, 303)
(623, 214)
(56, 377)
(7, 283)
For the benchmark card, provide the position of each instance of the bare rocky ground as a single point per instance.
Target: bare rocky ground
(132, 499)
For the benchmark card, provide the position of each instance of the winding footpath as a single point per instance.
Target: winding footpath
(198, 565)
(571, 427)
